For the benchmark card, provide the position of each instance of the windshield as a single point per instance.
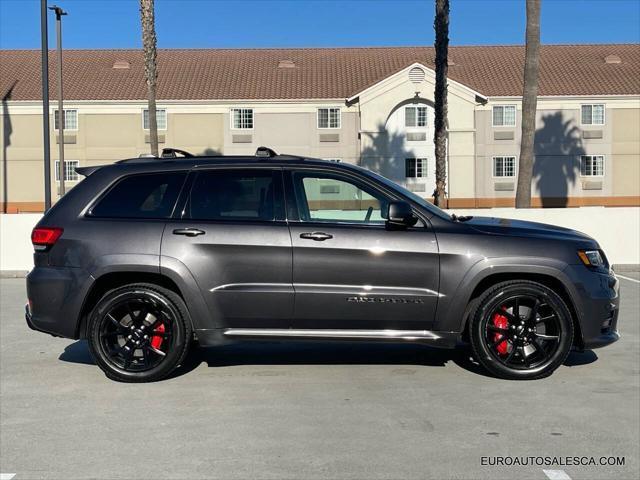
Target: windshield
(412, 196)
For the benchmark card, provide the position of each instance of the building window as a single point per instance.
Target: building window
(328, 118)
(161, 118)
(70, 174)
(242, 118)
(415, 116)
(592, 165)
(504, 167)
(70, 119)
(592, 114)
(504, 116)
(415, 167)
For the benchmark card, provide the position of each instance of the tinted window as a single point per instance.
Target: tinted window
(326, 198)
(232, 195)
(141, 196)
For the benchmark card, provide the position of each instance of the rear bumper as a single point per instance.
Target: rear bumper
(55, 298)
(597, 304)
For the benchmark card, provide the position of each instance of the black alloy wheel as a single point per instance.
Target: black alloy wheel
(139, 333)
(521, 329)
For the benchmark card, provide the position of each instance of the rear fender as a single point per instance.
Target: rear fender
(178, 272)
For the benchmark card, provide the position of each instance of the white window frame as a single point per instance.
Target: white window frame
(232, 118)
(604, 111)
(416, 126)
(593, 157)
(328, 109)
(68, 170)
(504, 157)
(515, 115)
(425, 167)
(166, 119)
(65, 110)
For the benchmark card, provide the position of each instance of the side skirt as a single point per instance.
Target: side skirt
(436, 339)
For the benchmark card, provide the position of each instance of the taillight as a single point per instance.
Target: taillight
(44, 237)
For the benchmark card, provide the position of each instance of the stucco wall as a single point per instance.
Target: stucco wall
(560, 141)
(102, 136)
(386, 152)
(110, 131)
(617, 230)
(625, 152)
(295, 133)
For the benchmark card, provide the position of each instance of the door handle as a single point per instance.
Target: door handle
(189, 232)
(317, 236)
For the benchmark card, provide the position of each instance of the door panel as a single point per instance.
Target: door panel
(364, 278)
(349, 271)
(242, 261)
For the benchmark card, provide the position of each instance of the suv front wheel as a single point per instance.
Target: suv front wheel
(521, 330)
(139, 333)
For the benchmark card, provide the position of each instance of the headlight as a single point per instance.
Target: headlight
(591, 258)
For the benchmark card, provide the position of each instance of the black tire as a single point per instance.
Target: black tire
(119, 320)
(521, 346)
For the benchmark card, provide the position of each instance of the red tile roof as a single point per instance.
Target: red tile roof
(335, 73)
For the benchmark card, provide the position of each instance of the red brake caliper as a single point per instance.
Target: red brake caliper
(501, 321)
(156, 340)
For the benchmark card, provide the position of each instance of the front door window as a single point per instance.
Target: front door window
(328, 198)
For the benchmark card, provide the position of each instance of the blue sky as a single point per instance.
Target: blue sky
(322, 23)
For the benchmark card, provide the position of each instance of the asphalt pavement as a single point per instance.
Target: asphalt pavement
(314, 411)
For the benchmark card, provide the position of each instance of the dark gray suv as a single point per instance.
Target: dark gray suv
(147, 256)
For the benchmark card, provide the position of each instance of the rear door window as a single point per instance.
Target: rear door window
(234, 195)
(151, 195)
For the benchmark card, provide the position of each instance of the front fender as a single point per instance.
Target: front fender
(457, 293)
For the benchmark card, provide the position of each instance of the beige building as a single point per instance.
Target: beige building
(370, 106)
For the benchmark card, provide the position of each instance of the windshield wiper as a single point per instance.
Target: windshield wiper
(461, 218)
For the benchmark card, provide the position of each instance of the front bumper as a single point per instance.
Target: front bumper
(597, 302)
(56, 296)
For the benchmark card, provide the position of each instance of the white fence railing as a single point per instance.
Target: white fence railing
(616, 229)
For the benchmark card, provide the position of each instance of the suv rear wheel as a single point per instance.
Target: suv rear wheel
(521, 330)
(139, 333)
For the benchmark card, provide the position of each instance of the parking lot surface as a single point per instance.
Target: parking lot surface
(311, 411)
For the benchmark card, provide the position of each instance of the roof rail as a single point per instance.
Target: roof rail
(265, 152)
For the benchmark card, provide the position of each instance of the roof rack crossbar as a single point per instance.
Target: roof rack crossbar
(174, 152)
(265, 152)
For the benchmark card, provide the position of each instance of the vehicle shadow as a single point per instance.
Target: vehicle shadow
(321, 353)
(77, 352)
(577, 358)
(326, 353)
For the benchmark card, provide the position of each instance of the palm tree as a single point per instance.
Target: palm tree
(150, 68)
(529, 103)
(441, 26)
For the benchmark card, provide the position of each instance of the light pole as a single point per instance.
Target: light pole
(45, 104)
(59, 13)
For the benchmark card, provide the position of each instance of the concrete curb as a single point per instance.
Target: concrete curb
(13, 273)
(626, 267)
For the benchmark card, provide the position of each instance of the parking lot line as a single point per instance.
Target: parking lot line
(556, 474)
(628, 278)
(7, 476)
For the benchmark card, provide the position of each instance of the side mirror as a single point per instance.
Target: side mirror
(400, 214)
